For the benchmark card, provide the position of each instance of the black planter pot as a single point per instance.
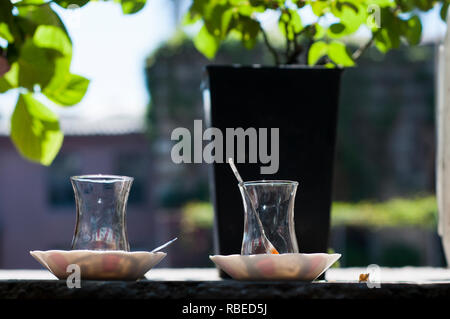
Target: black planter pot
(303, 103)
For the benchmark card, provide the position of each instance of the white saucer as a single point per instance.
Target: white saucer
(99, 265)
(305, 267)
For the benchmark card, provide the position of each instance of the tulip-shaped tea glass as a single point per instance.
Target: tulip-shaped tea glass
(101, 212)
(269, 210)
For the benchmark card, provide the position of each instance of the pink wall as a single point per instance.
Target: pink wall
(28, 221)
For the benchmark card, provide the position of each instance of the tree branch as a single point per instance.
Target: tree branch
(357, 54)
(298, 47)
(269, 46)
(288, 42)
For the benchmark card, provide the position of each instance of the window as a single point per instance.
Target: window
(135, 165)
(60, 190)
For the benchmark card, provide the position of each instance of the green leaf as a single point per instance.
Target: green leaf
(412, 30)
(190, 18)
(51, 37)
(35, 130)
(10, 80)
(248, 10)
(67, 3)
(424, 5)
(206, 43)
(218, 19)
(8, 27)
(317, 50)
(382, 41)
(443, 11)
(64, 87)
(30, 17)
(249, 30)
(5, 33)
(319, 31)
(36, 65)
(388, 37)
(198, 7)
(352, 15)
(68, 90)
(260, 4)
(42, 14)
(227, 19)
(336, 30)
(132, 6)
(337, 52)
(290, 23)
(342, 4)
(30, 2)
(300, 3)
(384, 3)
(319, 7)
(5, 11)
(405, 5)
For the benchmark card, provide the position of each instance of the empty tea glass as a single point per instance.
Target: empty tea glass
(270, 205)
(101, 212)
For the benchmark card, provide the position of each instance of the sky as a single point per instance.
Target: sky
(111, 48)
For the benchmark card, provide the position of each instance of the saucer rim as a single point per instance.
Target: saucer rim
(333, 258)
(97, 252)
(277, 255)
(41, 257)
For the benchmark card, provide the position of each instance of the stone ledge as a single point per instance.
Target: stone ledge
(224, 289)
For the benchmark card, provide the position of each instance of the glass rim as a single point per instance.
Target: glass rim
(273, 182)
(101, 178)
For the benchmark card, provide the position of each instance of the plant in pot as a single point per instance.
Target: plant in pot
(299, 94)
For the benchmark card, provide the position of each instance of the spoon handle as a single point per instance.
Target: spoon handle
(163, 245)
(235, 171)
(270, 249)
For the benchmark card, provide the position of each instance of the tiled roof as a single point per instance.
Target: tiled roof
(75, 126)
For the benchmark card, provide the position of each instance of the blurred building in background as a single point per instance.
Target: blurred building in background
(386, 151)
(37, 206)
(386, 135)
